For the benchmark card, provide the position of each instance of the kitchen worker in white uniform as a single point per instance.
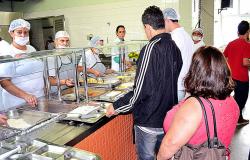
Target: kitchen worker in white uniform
(26, 83)
(117, 52)
(66, 73)
(95, 68)
(184, 42)
(197, 36)
(5, 49)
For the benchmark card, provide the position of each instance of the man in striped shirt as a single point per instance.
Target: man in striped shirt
(155, 86)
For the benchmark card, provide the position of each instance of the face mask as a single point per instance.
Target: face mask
(21, 40)
(196, 38)
(122, 39)
(60, 46)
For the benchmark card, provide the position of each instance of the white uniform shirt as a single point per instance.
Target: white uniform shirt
(198, 45)
(26, 75)
(186, 45)
(91, 59)
(5, 49)
(115, 55)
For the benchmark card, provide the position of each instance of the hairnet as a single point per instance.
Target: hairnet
(61, 34)
(198, 30)
(94, 41)
(171, 13)
(18, 23)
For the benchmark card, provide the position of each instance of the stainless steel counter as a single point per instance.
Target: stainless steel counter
(61, 134)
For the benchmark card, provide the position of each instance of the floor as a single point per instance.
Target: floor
(240, 145)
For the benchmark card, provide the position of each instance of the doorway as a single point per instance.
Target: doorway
(44, 28)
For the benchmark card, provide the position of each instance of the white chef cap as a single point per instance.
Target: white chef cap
(61, 34)
(94, 41)
(19, 23)
(198, 30)
(171, 13)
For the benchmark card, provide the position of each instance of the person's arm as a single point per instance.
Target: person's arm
(3, 119)
(246, 62)
(67, 82)
(93, 71)
(185, 122)
(14, 90)
(143, 86)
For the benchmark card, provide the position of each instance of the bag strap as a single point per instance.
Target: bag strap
(205, 118)
(215, 139)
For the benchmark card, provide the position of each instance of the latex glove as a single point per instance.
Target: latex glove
(31, 99)
(110, 111)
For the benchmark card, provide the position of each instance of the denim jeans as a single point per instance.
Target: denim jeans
(147, 145)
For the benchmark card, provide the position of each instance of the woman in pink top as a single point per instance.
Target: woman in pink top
(209, 77)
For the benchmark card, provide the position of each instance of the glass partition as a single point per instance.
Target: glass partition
(46, 74)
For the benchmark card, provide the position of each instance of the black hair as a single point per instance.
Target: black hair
(153, 16)
(243, 27)
(120, 26)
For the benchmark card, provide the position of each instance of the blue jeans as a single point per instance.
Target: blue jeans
(147, 145)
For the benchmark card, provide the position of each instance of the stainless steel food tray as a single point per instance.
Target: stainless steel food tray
(92, 117)
(6, 132)
(107, 97)
(31, 117)
(51, 105)
(107, 83)
(26, 149)
(125, 86)
(80, 155)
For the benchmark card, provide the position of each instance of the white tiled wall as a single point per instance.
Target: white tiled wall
(83, 20)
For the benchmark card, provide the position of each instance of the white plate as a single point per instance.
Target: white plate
(84, 109)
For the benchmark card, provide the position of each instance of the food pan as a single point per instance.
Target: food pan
(77, 154)
(51, 151)
(125, 86)
(88, 113)
(108, 82)
(110, 96)
(24, 119)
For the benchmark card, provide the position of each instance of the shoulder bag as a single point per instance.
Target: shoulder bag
(212, 149)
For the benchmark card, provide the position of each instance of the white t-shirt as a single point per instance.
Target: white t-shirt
(25, 74)
(5, 49)
(186, 45)
(198, 45)
(91, 59)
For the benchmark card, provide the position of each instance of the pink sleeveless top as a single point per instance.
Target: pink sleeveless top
(227, 114)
